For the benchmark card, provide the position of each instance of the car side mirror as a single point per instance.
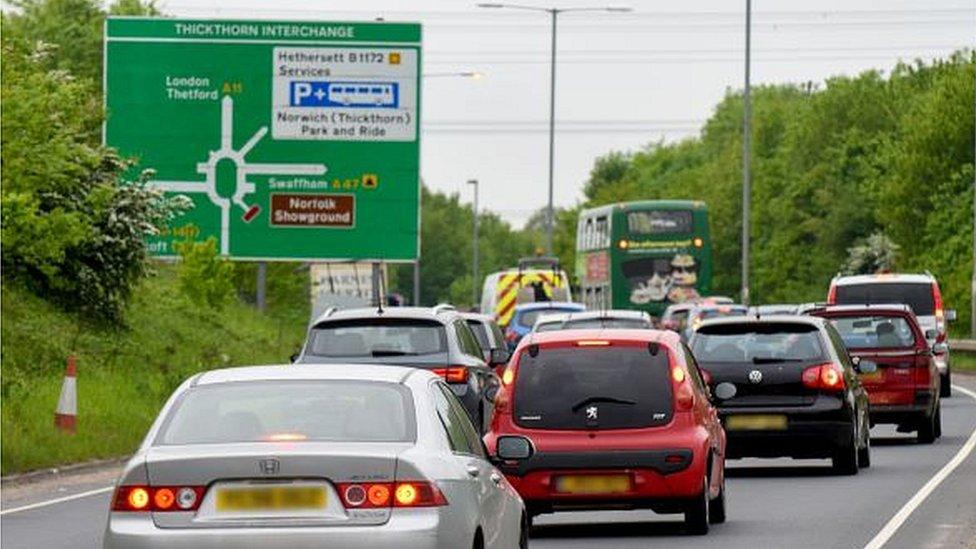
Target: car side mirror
(931, 334)
(491, 391)
(950, 315)
(864, 366)
(513, 448)
(706, 377)
(940, 348)
(499, 356)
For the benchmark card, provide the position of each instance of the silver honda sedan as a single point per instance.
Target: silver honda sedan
(314, 456)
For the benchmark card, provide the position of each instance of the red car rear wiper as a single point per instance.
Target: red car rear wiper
(609, 400)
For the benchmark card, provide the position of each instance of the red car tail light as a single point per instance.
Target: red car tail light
(677, 374)
(508, 376)
(832, 295)
(684, 395)
(824, 377)
(453, 374)
(684, 398)
(157, 498)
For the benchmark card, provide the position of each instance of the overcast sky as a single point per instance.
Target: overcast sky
(623, 80)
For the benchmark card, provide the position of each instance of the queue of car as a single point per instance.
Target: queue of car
(430, 427)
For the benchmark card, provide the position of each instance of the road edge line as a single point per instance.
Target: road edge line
(55, 501)
(892, 526)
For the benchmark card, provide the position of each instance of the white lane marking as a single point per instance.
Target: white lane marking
(55, 501)
(906, 511)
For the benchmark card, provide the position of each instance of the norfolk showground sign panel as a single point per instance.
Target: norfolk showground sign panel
(293, 140)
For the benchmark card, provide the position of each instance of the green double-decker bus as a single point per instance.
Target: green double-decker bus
(643, 255)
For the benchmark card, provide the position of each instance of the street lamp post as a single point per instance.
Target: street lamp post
(553, 12)
(746, 151)
(475, 75)
(474, 245)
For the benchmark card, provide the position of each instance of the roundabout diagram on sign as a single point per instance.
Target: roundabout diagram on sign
(242, 187)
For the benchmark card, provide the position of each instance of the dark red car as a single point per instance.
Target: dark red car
(610, 419)
(904, 388)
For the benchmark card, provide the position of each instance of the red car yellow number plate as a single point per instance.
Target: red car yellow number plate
(593, 484)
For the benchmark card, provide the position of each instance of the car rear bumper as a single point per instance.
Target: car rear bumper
(802, 440)
(811, 432)
(655, 483)
(418, 528)
(899, 414)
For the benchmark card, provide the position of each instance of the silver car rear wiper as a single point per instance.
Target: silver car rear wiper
(391, 352)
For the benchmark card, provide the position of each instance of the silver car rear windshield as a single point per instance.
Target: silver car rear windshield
(379, 337)
(291, 411)
(752, 342)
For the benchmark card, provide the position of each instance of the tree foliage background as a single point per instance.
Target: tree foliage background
(875, 153)
(878, 153)
(73, 227)
(447, 245)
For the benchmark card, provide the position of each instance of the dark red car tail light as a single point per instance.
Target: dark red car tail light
(824, 377)
(453, 374)
(939, 313)
(157, 498)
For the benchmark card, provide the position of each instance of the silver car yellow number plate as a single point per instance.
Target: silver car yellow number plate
(267, 498)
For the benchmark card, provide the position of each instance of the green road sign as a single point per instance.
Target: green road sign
(295, 141)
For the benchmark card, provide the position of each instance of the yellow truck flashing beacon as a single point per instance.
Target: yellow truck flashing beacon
(535, 279)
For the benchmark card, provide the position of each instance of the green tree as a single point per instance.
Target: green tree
(73, 29)
(73, 229)
(446, 246)
(205, 277)
(831, 165)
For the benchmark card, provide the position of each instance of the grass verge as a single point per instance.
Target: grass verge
(124, 374)
(963, 361)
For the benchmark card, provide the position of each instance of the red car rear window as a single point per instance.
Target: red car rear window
(875, 331)
(611, 387)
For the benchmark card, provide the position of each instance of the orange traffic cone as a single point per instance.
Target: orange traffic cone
(64, 416)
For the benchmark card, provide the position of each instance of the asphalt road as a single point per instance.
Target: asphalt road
(772, 503)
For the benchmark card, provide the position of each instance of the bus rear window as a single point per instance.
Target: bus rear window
(660, 222)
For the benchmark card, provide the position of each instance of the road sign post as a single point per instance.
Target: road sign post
(294, 140)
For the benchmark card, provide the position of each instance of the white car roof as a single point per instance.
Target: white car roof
(883, 278)
(291, 372)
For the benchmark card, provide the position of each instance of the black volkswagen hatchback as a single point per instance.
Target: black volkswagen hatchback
(786, 387)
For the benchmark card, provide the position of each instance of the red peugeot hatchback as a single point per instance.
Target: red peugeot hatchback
(610, 419)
